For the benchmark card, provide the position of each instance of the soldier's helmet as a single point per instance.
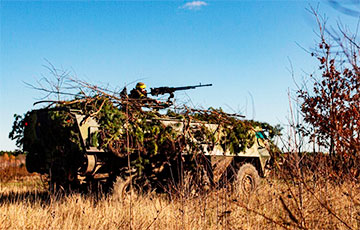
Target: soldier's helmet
(140, 85)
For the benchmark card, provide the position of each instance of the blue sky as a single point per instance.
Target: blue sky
(242, 47)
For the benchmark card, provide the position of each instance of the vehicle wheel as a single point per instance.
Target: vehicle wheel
(247, 179)
(122, 188)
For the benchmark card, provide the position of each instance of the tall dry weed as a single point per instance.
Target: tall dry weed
(279, 202)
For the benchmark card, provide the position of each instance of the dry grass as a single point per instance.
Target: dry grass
(15, 177)
(277, 204)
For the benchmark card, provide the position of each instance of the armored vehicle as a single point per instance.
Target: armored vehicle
(71, 166)
(82, 148)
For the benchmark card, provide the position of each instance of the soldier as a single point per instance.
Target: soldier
(140, 93)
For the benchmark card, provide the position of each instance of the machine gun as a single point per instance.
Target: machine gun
(171, 90)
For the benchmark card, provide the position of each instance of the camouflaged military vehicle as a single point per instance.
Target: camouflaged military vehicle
(87, 143)
(70, 166)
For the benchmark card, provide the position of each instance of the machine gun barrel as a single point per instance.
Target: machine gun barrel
(171, 90)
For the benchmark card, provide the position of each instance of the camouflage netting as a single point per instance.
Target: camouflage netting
(125, 129)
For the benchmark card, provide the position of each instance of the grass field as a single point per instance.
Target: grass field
(277, 204)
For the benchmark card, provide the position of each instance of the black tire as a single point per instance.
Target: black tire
(62, 181)
(124, 187)
(247, 179)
